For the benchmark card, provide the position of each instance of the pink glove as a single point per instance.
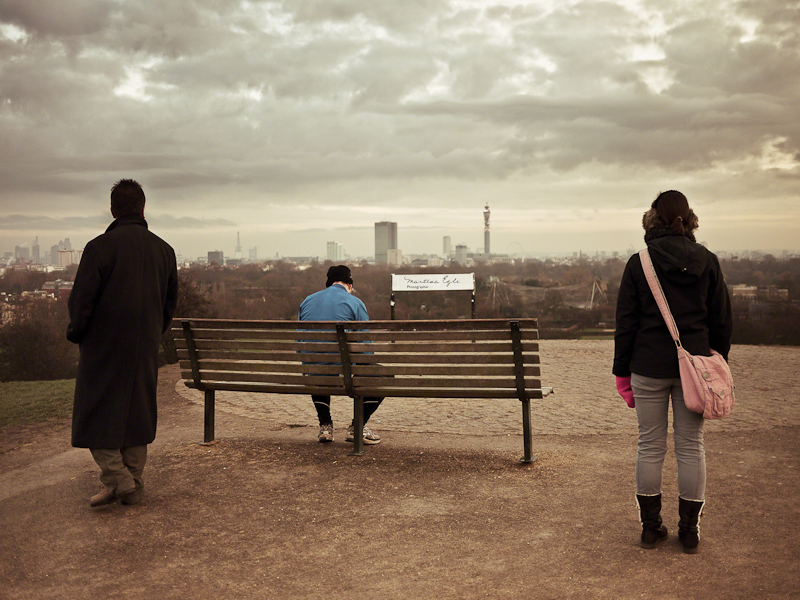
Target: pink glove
(626, 391)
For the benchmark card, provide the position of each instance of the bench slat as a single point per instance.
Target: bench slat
(434, 325)
(376, 357)
(269, 388)
(533, 394)
(375, 385)
(265, 334)
(411, 383)
(361, 370)
(450, 392)
(233, 354)
(332, 345)
(443, 370)
(266, 345)
(293, 333)
(433, 335)
(262, 367)
(287, 378)
(442, 359)
(433, 347)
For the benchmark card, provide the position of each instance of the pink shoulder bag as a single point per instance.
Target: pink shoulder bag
(706, 380)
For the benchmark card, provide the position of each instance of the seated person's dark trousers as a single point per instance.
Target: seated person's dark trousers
(323, 406)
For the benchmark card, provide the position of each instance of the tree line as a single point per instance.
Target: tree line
(566, 298)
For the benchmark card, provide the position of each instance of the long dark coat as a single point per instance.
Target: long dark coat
(123, 299)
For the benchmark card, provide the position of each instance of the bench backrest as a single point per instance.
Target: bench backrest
(476, 358)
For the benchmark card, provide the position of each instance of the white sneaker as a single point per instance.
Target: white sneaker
(325, 433)
(369, 436)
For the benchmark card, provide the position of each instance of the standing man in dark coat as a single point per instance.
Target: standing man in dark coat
(123, 299)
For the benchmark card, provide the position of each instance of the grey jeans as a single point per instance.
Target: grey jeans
(652, 408)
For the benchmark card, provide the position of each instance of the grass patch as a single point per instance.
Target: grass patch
(25, 402)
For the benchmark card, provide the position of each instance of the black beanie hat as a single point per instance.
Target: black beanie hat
(339, 273)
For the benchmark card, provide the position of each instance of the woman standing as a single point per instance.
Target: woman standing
(646, 361)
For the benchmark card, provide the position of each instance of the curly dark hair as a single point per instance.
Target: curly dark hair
(671, 210)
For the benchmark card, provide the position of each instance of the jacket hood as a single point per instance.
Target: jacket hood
(677, 254)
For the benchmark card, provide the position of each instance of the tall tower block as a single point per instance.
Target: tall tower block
(385, 240)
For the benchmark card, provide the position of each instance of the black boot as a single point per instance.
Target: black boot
(689, 512)
(653, 532)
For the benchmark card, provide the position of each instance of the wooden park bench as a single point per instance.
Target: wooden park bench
(474, 358)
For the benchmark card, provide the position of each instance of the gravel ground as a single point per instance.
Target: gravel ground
(440, 509)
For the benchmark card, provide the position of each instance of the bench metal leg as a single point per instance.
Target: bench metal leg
(358, 426)
(208, 423)
(527, 433)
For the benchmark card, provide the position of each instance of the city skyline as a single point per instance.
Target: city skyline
(342, 254)
(300, 123)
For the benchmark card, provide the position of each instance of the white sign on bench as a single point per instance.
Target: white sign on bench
(439, 282)
(433, 282)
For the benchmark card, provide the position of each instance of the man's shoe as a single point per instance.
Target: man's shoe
(325, 433)
(132, 497)
(105, 496)
(369, 436)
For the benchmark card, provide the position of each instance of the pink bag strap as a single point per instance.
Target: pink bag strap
(658, 294)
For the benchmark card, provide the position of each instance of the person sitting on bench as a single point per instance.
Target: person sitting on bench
(336, 303)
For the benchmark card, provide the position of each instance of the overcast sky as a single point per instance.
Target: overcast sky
(306, 121)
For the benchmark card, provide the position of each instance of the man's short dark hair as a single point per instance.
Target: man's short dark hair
(127, 198)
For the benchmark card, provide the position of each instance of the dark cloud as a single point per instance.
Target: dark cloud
(49, 224)
(387, 104)
(409, 17)
(52, 18)
(190, 223)
(94, 222)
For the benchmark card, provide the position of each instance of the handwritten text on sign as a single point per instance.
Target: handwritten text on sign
(443, 282)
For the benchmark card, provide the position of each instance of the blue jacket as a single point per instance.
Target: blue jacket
(334, 303)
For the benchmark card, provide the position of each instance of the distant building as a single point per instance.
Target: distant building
(447, 246)
(253, 252)
(64, 244)
(335, 252)
(744, 292)
(59, 288)
(385, 240)
(394, 257)
(752, 293)
(216, 257)
(238, 253)
(486, 246)
(65, 258)
(299, 260)
(462, 254)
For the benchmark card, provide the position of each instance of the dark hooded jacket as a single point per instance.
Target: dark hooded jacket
(697, 296)
(123, 299)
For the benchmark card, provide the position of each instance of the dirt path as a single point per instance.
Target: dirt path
(441, 509)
